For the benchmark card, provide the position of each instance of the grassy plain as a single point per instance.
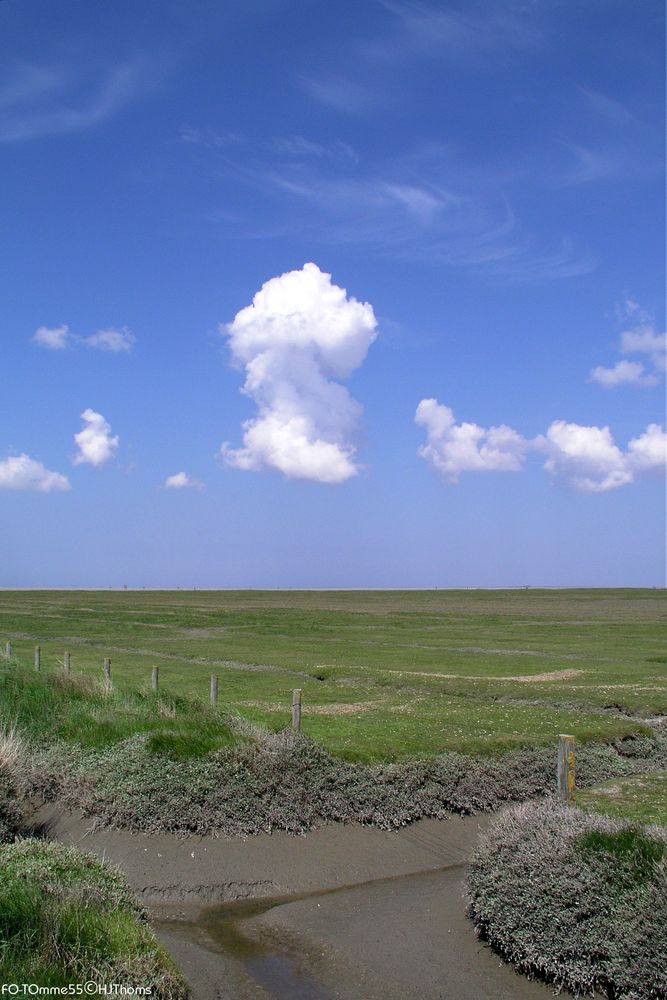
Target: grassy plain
(384, 674)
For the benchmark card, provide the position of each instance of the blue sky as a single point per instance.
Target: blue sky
(302, 294)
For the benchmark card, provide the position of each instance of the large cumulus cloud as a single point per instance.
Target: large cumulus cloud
(300, 333)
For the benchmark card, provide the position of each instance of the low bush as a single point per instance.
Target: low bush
(287, 781)
(65, 917)
(578, 899)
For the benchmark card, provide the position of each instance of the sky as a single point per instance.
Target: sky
(312, 294)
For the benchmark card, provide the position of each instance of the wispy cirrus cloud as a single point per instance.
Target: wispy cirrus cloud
(481, 35)
(611, 142)
(419, 29)
(420, 206)
(39, 101)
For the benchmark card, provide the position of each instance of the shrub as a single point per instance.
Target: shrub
(287, 781)
(578, 899)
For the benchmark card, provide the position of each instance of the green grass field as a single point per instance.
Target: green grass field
(384, 674)
(642, 798)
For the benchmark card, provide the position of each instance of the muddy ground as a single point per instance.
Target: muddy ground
(343, 913)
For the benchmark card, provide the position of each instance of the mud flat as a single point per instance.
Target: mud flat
(343, 913)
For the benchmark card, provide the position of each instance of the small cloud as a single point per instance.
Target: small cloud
(586, 459)
(453, 448)
(299, 334)
(112, 340)
(209, 137)
(648, 452)
(56, 338)
(180, 481)
(642, 338)
(298, 147)
(20, 472)
(645, 339)
(623, 373)
(95, 443)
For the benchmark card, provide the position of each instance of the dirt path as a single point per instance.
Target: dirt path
(344, 913)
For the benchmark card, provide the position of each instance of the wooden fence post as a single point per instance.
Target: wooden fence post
(38, 659)
(154, 678)
(107, 673)
(296, 709)
(8, 649)
(565, 774)
(66, 661)
(214, 690)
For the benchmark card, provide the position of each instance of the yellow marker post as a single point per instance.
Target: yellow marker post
(565, 775)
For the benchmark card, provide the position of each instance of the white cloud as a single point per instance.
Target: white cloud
(95, 443)
(111, 340)
(643, 338)
(181, 480)
(648, 452)
(623, 372)
(453, 448)
(299, 333)
(19, 472)
(585, 458)
(55, 338)
(60, 337)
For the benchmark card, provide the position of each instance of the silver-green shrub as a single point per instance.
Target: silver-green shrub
(578, 899)
(289, 782)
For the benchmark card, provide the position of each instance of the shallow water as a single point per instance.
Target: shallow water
(267, 961)
(271, 961)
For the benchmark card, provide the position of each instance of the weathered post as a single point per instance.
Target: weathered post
(214, 689)
(107, 673)
(8, 649)
(38, 659)
(565, 775)
(66, 661)
(296, 709)
(154, 678)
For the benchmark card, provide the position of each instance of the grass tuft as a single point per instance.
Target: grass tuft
(67, 917)
(629, 849)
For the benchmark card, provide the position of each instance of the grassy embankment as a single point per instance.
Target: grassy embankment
(65, 917)
(385, 675)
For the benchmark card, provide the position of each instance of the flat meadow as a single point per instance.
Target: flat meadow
(385, 675)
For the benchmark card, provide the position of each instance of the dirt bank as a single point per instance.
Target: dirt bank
(343, 913)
